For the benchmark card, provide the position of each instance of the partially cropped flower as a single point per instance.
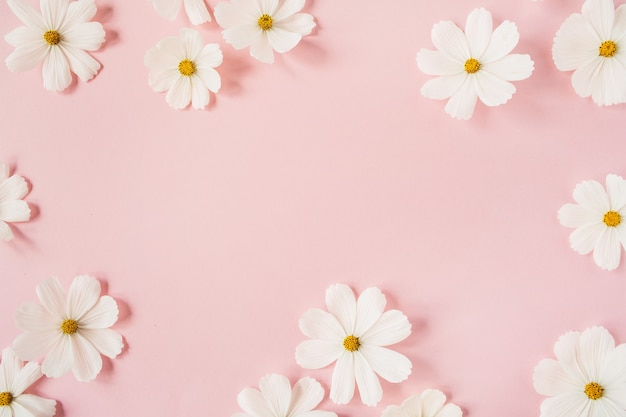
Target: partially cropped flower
(276, 398)
(196, 9)
(185, 68)
(593, 45)
(263, 25)
(58, 36)
(71, 330)
(353, 333)
(587, 379)
(430, 403)
(474, 64)
(599, 220)
(12, 208)
(15, 378)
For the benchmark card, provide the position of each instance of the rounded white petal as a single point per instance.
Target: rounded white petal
(288, 8)
(584, 239)
(7, 412)
(13, 188)
(575, 215)
(592, 195)
(396, 411)
(505, 37)
(513, 67)
(53, 12)
(307, 393)
(600, 14)
(27, 14)
(33, 345)
(438, 63)
(157, 60)
(33, 317)
(227, 15)
(5, 231)
(619, 25)
(103, 314)
(392, 327)
(4, 171)
(276, 391)
(52, 297)
(301, 23)
(81, 63)
(262, 50)
(390, 365)
(78, 12)
(568, 404)
(608, 250)
(366, 380)
(197, 11)
(9, 369)
(14, 211)
(210, 57)
(56, 70)
(478, 28)
(25, 36)
(450, 40)
(369, 309)
(441, 88)
(28, 405)
(87, 359)
(493, 91)
(319, 324)
(199, 93)
(253, 403)
(192, 43)
(26, 56)
(107, 341)
(342, 382)
(167, 9)
(179, 95)
(602, 79)
(25, 377)
(461, 104)
(575, 44)
(88, 36)
(161, 81)
(595, 345)
(209, 78)
(243, 36)
(431, 402)
(268, 6)
(549, 378)
(59, 360)
(341, 303)
(616, 191)
(82, 296)
(318, 413)
(316, 354)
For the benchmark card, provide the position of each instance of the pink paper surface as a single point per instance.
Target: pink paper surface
(215, 230)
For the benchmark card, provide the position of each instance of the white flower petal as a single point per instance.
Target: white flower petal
(56, 70)
(79, 11)
(450, 40)
(392, 327)
(83, 294)
(301, 23)
(53, 12)
(88, 36)
(167, 9)
(26, 13)
(478, 28)
(592, 195)
(210, 79)
(306, 394)
(52, 297)
(14, 211)
(550, 379)
(243, 36)
(288, 8)
(390, 365)
(575, 44)
(504, 38)
(253, 403)
(319, 324)
(199, 93)
(342, 382)
(192, 43)
(461, 104)
(32, 345)
(161, 81)
(33, 317)
(369, 309)
(491, 90)
(87, 359)
(584, 239)
(59, 359)
(595, 345)
(103, 314)
(197, 11)
(9, 368)
(608, 250)
(432, 401)
(26, 57)
(13, 188)
(437, 63)
(619, 26)
(396, 411)
(318, 413)
(616, 191)
(179, 95)
(210, 57)
(82, 64)
(601, 78)
(4, 171)
(226, 15)
(26, 377)
(600, 14)
(366, 380)
(441, 88)
(107, 341)
(262, 50)
(316, 354)
(28, 405)
(575, 215)
(513, 67)
(5, 231)
(341, 303)
(268, 6)
(276, 391)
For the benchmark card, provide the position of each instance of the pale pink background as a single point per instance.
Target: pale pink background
(215, 230)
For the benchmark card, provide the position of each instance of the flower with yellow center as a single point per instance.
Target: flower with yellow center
(588, 377)
(591, 44)
(597, 217)
(72, 330)
(353, 333)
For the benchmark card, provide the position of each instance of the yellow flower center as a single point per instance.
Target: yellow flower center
(69, 326)
(265, 22)
(5, 398)
(351, 343)
(187, 67)
(472, 65)
(52, 37)
(594, 390)
(612, 218)
(607, 49)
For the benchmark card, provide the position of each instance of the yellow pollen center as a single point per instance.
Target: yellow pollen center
(5, 398)
(607, 49)
(612, 218)
(69, 326)
(187, 67)
(265, 22)
(594, 390)
(351, 343)
(472, 65)
(52, 37)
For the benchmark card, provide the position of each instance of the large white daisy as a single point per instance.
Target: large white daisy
(185, 68)
(12, 208)
(430, 403)
(72, 330)
(353, 333)
(276, 398)
(599, 220)
(58, 36)
(587, 379)
(263, 25)
(196, 9)
(474, 64)
(593, 44)
(15, 378)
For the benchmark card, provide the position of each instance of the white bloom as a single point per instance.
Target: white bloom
(196, 9)
(276, 398)
(184, 67)
(72, 329)
(474, 64)
(263, 25)
(353, 333)
(58, 37)
(593, 44)
(430, 403)
(15, 378)
(599, 220)
(587, 379)
(12, 207)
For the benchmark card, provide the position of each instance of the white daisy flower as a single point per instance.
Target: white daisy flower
(72, 330)
(276, 398)
(58, 37)
(196, 10)
(12, 208)
(587, 379)
(593, 44)
(474, 64)
(263, 25)
(598, 218)
(353, 334)
(185, 68)
(15, 378)
(430, 403)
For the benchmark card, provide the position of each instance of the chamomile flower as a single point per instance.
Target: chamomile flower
(12, 208)
(196, 10)
(430, 403)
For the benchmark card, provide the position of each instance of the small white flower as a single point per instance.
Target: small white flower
(587, 379)
(185, 68)
(263, 25)
(58, 37)
(430, 403)
(196, 9)
(12, 207)
(72, 330)
(599, 220)
(276, 398)
(15, 378)
(593, 44)
(474, 64)
(353, 334)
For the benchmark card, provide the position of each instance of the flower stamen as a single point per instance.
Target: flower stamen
(6, 398)
(187, 67)
(265, 22)
(52, 37)
(594, 390)
(351, 343)
(612, 218)
(607, 49)
(69, 326)
(472, 65)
